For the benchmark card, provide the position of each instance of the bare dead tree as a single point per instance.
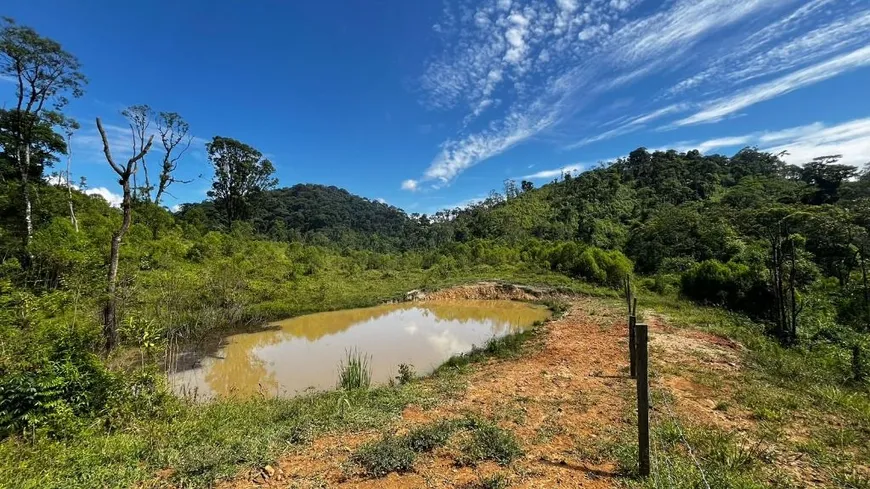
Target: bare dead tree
(175, 136)
(139, 118)
(110, 320)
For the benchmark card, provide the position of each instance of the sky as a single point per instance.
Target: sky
(428, 105)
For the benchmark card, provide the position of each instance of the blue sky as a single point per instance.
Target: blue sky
(428, 105)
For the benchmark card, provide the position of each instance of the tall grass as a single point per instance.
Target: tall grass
(355, 371)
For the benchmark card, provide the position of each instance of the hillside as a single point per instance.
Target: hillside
(319, 214)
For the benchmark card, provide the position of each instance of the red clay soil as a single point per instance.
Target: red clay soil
(565, 394)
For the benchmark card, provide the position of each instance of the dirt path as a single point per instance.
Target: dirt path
(564, 395)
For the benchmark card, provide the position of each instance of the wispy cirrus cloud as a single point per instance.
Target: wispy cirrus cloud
(514, 69)
(720, 108)
(530, 66)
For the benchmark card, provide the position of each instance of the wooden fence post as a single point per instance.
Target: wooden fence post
(632, 346)
(642, 333)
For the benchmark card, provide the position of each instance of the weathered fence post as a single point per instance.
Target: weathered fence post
(632, 340)
(642, 333)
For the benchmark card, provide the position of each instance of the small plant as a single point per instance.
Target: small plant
(489, 442)
(406, 374)
(557, 307)
(497, 481)
(429, 437)
(389, 454)
(355, 371)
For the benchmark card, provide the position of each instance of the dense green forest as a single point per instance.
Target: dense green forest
(93, 297)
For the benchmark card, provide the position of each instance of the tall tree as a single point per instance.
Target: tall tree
(44, 74)
(175, 136)
(110, 320)
(240, 172)
(70, 127)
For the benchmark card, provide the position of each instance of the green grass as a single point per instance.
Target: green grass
(202, 443)
(355, 371)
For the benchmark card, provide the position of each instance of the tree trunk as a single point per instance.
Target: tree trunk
(110, 317)
(793, 292)
(28, 205)
(72, 212)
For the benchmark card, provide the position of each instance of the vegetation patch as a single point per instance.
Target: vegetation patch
(355, 371)
(389, 454)
(489, 442)
(431, 436)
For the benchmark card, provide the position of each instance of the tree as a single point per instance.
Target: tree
(174, 134)
(69, 128)
(139, 118)
(787, 264)
(110, 320)
(827, 176)
(240, 172)
(43, 74)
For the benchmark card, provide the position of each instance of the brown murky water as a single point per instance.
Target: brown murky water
(304, 352)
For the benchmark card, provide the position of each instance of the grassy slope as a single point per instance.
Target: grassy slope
(797, 420)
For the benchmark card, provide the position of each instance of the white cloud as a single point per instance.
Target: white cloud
(723, 143)
(409, 184)
(567, 5)
(815, 31)
(112, 198)
(457, 156)
(822, 71)
(555, 173)
(381, 200)
(851, 139)
(803, 143)
(633, 124)
(515, 36)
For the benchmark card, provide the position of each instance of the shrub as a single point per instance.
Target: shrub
(489, 442)
(429, 437)
(389, 454)
(406, 374)
(715, 282)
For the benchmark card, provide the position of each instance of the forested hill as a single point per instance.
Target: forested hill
(318, 214)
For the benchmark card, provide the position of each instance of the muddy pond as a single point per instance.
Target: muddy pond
(289, 357)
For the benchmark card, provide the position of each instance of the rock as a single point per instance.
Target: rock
(415, 295)
(269, 470)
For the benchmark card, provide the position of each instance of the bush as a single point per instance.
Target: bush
(714, 282)
(55, 395)
(590, 263)
(489, 442)
(406, 374)
(429, 437)
(389, 454)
